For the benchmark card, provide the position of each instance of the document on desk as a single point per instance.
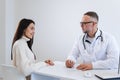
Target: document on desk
(108, 75)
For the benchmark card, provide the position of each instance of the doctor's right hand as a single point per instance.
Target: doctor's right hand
(69, 63)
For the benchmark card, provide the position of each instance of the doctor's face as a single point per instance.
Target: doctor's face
(87, 23)
(29, 31)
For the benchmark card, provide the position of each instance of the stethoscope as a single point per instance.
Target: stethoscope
(83, 39)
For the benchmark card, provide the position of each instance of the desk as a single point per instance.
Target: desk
(60, 72)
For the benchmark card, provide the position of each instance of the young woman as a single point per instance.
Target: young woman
(22, 55)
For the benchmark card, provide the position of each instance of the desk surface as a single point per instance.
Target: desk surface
(59, 70)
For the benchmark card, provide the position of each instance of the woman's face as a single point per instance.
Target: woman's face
(29, 31)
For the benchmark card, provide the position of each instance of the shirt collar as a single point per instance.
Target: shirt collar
(25, 38)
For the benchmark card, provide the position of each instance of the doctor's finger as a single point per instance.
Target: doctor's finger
(69, 62)
(81, 67)
(85, 68)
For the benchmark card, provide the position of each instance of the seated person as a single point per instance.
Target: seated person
(96, 48)
(22, 55)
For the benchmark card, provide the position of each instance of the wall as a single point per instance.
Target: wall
(57, 22)
(9, 28)
(6, 31)
(2, 31)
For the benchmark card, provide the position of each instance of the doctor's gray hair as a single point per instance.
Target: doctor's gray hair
(92, 14)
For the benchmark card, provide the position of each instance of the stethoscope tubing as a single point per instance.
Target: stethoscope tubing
(83, 39)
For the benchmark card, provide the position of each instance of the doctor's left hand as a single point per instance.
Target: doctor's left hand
(84, 67)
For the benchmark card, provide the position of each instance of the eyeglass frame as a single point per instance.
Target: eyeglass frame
(85, 23)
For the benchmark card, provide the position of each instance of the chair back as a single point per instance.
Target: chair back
(10, 72)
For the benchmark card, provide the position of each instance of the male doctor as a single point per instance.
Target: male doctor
(96, 48)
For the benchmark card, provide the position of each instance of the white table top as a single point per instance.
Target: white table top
(59, 70)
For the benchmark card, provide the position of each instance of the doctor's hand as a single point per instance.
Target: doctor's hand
(84, 67)
(49, 62)
(69, 63)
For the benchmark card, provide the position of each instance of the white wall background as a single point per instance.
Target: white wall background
(6, 30)
(9, 27)
(2, 33)
(57, 23)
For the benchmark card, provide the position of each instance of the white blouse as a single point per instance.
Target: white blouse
(23, 57)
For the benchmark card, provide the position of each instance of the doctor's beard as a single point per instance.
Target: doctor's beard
(88, 30)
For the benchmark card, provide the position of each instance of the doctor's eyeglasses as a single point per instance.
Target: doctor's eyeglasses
(87, 23)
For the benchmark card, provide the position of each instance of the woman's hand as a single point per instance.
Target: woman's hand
(49, 62)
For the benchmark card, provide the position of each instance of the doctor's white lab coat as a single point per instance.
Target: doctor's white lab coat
(101, 54)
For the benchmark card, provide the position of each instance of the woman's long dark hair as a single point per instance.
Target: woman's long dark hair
(23, 24)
